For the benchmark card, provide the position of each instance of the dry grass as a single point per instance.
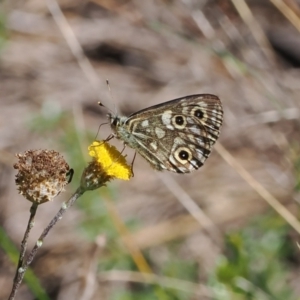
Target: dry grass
(151, 51)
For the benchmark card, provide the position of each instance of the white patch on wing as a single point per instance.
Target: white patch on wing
(172, 160)
(154, 145)
(190, 120)
(160, 133)
(200, 142)
(166, 117)
(195, 130)
(191, 166)
(201, 156)
(185, 110)
(145, 123)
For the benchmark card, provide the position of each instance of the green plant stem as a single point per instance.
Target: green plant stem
(21, 270)
(30, 224)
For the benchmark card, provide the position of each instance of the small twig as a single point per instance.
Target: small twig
(129, 242)
(287, 12)
(197, 289)
(260, 189)
(30, 225)
(89, 274)
(271, 116)
(192, 207)
(22, 270)
(256, 30)
(74, 46)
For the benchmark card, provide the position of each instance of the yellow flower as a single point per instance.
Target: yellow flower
(112, 161)
(108, 163)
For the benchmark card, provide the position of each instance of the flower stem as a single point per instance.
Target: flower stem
(23, 265)
(30, 224)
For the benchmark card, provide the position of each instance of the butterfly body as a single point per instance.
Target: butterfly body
(176, 135)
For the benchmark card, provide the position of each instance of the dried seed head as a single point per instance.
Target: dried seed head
(42, 175)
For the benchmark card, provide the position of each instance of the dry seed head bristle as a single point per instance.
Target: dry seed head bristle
(42, 175)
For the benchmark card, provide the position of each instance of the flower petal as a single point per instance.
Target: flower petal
(112, 162)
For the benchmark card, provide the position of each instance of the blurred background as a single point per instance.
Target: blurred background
(227, 231)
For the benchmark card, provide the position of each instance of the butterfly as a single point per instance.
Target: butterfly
(176, 135)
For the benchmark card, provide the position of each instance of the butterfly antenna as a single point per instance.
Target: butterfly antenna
(111, 95)
(101, 104)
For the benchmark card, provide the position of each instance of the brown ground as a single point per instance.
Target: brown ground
(151, 52)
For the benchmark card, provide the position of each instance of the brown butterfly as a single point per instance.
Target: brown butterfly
(177, 135)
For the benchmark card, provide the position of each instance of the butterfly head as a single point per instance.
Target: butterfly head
(119, 127)
(114, 120)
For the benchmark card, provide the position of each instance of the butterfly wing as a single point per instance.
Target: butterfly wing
(177, 135)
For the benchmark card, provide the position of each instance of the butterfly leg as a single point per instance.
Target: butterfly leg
(120, 153)
(133, 163)
(99, 129)
(110, 137)
(124, 146)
